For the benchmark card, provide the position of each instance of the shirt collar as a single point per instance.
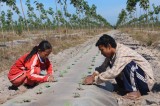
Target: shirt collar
(114, 56)
(112, 60)
(41, 60)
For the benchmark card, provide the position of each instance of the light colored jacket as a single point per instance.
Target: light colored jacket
(122, 57)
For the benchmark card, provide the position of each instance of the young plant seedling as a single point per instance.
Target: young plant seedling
(94, 57)
(76, 95)
(55, 80)
(68, 67)
(89, 72)
(93, 61)
(26, 100)
(47, 86)
(67, 104)
(86, 52)
(92, 64)
(90, 68)
(39, 91)
(55, 70)
(65, 71)
(61, 74)
(80, 87)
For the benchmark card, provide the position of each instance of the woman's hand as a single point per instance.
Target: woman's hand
(50, 78)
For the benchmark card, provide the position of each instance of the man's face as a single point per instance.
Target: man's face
(105, 51)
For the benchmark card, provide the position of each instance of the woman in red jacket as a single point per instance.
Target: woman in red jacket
(33, 68)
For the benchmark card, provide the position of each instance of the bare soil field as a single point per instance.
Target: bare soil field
(71, 66)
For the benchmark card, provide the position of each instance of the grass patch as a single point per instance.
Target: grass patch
(145, 37)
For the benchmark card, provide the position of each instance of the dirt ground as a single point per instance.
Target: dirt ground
(70, 66)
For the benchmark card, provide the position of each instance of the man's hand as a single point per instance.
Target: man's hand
(88, 80)
(51, 78)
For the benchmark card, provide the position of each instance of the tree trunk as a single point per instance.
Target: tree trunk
(3, 37)
(24, 16)
(57, 16)
(140, 22)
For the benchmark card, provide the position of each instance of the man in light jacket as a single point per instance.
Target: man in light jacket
(131, 71)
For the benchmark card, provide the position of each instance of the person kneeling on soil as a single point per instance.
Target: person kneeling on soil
(132, 72)
(32, 68)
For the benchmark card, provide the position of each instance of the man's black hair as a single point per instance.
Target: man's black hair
(105, 40)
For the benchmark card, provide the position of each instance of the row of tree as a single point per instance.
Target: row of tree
(85, 16)
(149, 19)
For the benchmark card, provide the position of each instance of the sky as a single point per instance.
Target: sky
(109, 9)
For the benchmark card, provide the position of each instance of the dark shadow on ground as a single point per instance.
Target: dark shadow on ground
(12, 87)
(156, 87)
(106, 86)
(112, 88)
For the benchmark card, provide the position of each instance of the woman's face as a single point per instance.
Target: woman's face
(44, 54)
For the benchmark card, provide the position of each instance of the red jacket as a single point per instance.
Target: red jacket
(32, 67)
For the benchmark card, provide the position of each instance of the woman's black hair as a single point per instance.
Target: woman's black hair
(43, 45)
(106, 40)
